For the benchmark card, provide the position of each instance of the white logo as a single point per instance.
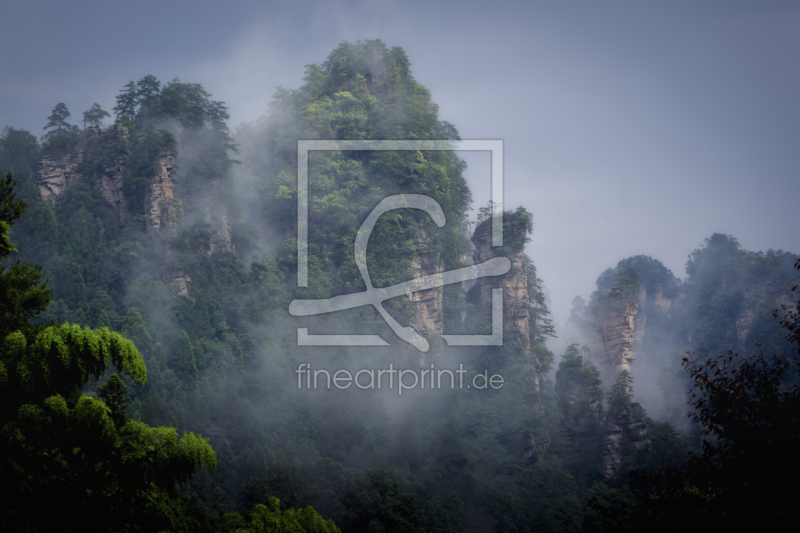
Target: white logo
(375, 297)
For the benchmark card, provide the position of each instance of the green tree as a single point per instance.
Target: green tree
(270, 519)
(147, 89)
(184, 360)
(23, 294)
(94, 115)
(620, 394)
(114, 394)
(68, 452)
(542, 327)
(58, 119)
(127, 101)
(62, 136)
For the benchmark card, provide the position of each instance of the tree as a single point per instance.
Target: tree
(789, 320)
(62, 136)
(23, 294)
(127, 101)
(147, 95)
(94, 116)
(542, 326)
(114, 394)
(63, 450)
(620, 394)
(270, 519)
(147, 88)
(58, 119)
(185, 363)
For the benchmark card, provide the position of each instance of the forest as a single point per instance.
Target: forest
(149, 364)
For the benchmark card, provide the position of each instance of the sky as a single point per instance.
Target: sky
(628, 127)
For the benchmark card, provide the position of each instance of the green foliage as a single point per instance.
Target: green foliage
(517, 226)
(114, 394)
(127, 101)
(363, 501)
(62, 359)
(752, 436)
(270, 519)
(725, 280)
(628, 281)
(19, 154)
(619, 397)
(362, 91)
(184, 360)
(58, 119)
(580, 402)
(541, 325)
(23, 294)
(147, 149)
(94, 115)
(63, 136)
(68, 452)
(611, 509)
(653, 275)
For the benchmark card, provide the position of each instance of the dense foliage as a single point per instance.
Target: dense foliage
(68, 452)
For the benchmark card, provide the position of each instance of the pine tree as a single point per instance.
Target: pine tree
(127, 101)
(94, 116)
(58, 119)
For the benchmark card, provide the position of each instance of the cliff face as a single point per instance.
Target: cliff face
(105, 163)
(161, 206)
(625, 434)
(516, 315)
(57, 172)
(102, 157)
(530, 444)
(613, 344)
(220, 231)
(527, 445)
(428, 303)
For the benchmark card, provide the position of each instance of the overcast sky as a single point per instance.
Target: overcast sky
(628, 128)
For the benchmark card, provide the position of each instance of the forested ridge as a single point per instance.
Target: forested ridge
(149, 361)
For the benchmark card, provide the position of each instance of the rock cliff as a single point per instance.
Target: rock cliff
(161, 207)
(428, 303)
(530, 444)
(526, 444)
(57, 172)
(516, 310)
(516, 314)
(102, 157)
(612, 344)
